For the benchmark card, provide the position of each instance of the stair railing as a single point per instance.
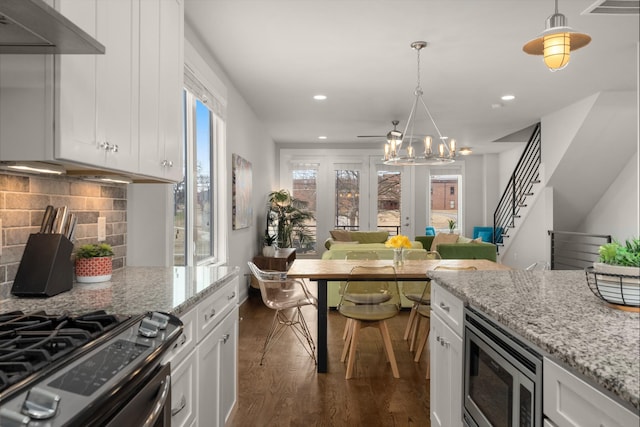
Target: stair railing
(520, 186)
(575, 251)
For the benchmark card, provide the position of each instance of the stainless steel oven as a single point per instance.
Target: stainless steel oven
(502, 376)
(90, 370)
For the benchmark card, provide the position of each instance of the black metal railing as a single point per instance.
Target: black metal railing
(575, 251)
(520, 186)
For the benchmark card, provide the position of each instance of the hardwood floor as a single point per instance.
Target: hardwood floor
(287, 391)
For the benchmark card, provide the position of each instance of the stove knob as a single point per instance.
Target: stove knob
(9, 418)
(148, 328)
(161, 318)
(40, 404)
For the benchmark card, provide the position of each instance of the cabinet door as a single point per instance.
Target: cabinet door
(446, 374)
(161, 70)
(183, 391)
(97, 103)
(217, 372)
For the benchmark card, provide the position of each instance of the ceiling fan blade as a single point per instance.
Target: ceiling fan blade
(372, 136)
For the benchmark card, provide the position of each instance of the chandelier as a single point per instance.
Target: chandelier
(399, 149)
(556, 42)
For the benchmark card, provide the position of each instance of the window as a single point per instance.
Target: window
(196, 201)
(305, 184)
(445, 200)
(347, 203)
(389, 199)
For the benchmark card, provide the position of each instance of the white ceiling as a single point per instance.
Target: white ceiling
(279, 53)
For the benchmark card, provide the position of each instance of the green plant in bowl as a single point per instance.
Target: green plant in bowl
(615, 253)
(94, 250)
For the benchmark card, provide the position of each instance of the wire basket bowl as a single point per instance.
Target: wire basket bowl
(617, 289)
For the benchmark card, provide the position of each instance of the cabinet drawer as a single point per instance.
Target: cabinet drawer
(183, 391)
(569, 401)
(215, 307)
(185, 342)
(447, 306)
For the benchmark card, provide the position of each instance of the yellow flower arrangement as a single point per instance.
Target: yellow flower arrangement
(398, 242)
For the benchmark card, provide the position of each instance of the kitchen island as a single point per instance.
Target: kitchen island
(557, 313)
(132, 290)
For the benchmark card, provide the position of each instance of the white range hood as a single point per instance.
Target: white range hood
(33, 27)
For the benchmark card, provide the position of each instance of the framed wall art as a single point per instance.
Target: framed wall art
(242, 212)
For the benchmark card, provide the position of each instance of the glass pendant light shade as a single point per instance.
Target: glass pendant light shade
(557, 50)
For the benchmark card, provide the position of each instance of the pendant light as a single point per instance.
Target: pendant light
(399, 149)
(556, 42)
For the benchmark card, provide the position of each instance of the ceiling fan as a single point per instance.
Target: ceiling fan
(392, 134)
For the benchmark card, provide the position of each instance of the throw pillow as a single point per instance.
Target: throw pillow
(486, 236)
(462, 239)
(443, 238)
(477, 240)
(340, 235)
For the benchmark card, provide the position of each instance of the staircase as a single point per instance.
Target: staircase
(520, 187)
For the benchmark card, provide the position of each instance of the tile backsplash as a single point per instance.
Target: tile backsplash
(23, 199)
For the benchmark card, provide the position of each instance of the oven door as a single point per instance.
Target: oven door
(496, 393)
(150, 406)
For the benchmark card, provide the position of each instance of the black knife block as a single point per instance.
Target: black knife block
(46, 268)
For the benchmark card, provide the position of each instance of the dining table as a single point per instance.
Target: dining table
(323, 271)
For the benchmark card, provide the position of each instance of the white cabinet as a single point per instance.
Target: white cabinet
(161, 70)
(217, 362)
(97, 106)
(568, 401)
(120, 111)
(446, 353)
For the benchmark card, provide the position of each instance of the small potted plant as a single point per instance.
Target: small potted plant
(617, 258)
(93, 263)
(269, 250)
(452, 225)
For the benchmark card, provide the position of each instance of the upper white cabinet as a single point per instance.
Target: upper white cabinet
(119, 111)
(97, 94)
(161, 70)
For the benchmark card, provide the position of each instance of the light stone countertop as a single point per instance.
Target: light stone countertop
(131, 291)
(557, 312)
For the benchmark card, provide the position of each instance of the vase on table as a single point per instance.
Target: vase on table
(398, 257)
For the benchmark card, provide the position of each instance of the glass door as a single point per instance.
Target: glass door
(390, 204)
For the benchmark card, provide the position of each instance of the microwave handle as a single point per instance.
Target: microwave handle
(159, 403)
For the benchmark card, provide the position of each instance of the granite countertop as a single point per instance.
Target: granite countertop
(557, 312)
(132, 291)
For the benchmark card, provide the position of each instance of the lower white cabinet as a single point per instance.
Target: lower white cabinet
(217, 363)
(204, 361)
(446, 353)
(568, 401)
(446, 374)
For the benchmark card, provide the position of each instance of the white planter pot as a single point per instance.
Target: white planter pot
(616, 289)
(269, 251)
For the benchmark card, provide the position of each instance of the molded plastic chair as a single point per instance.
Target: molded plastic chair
(539, 265)
(369, 312)
(425, 312)
(286, 297)
(419, 293)
(358, 255)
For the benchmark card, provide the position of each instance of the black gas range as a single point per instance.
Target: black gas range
(93, 369)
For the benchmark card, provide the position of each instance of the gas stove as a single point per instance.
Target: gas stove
(73, 370)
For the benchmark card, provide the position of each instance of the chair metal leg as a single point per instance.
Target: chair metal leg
(299, 328)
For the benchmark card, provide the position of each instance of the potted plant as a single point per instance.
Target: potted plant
(93, 263)
(452, 225)
(269, 249)
(616, 258)
(289, 217)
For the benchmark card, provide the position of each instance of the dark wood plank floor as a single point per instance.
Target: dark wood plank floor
(287, 391)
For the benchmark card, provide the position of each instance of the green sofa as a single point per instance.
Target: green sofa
(461, 250)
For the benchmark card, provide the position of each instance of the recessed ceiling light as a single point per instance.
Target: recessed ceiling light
(465, 151)
(508, 97)
(319, 97)
(322, 137)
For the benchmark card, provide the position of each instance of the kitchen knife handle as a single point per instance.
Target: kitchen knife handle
(46, 219)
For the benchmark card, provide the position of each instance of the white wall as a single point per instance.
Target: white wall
(508, 161)
(247, 137)
(617, 211)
